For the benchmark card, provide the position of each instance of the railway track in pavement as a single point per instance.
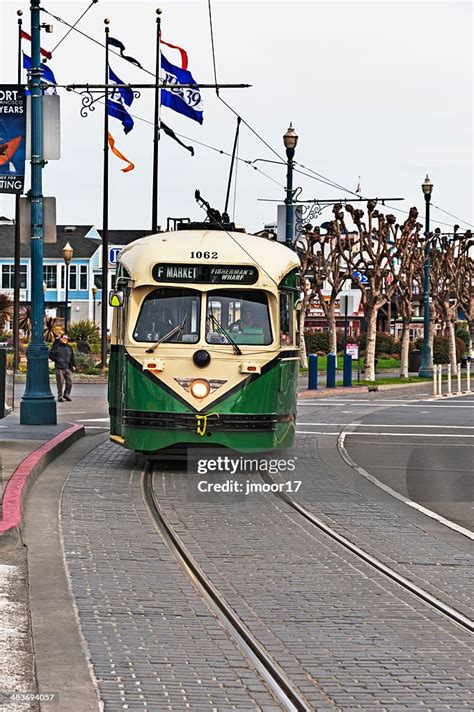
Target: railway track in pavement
(425, 596)
(289, 697)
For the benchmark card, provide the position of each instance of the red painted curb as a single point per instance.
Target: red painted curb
(34, 462)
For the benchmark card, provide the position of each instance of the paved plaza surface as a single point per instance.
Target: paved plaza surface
(368, 466)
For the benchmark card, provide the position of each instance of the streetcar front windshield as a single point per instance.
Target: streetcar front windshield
(172, 315)
(241, 315)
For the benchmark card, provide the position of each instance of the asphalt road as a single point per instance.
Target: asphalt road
(419, 447)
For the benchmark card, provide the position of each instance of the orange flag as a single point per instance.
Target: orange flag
(114, 150)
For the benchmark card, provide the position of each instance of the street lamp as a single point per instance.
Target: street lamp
(426, 370)
(67, 256)
(290, 139)
(94, 291)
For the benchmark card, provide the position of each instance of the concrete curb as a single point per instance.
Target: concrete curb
(358, 389)
(25, 476)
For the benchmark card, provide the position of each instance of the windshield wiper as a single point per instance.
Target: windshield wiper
(177, 330)
(221, 328)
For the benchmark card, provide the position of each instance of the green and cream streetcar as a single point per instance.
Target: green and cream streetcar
(205, 347)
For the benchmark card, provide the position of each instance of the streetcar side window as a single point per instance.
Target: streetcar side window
(286, 318)
(240, 315)
(169, 314)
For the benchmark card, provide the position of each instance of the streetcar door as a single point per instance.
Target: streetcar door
(117, 365)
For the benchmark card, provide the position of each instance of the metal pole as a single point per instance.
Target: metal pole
(346, 322)
(93, 308)
(16, 257)
(156, 129)
(290, 152)
(105, 212)
(425, 367)
(66, 298)
(37, 406)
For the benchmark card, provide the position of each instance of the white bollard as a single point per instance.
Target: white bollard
(435, 381)
(449, 393)
(459, 380)
(440, 380)
(468, 377)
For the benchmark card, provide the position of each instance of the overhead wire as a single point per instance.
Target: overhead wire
(73, 27)
(316, 176)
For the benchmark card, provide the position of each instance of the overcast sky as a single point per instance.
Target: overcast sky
(380, 90)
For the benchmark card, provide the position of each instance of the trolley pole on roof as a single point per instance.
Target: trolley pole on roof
(37, 406)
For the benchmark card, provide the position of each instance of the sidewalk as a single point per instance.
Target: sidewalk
(25, 450)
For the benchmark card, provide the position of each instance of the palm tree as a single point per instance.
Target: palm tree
(6, 310)
(52, 328)
(25, 320)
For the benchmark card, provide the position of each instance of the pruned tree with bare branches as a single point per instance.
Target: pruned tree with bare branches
(328, 269)
(450, 258)
(372, 255)
(410, 249)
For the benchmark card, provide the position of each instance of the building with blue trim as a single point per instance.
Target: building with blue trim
(85, 269)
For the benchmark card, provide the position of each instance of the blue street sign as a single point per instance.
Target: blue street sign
(113, 254)
(361, 277)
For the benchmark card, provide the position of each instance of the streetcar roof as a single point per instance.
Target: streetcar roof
(272, 259)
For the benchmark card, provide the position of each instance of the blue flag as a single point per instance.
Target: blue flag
(185, 101)
(46, 72)
(118, 100)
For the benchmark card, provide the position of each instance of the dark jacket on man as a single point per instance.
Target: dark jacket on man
(63, 356)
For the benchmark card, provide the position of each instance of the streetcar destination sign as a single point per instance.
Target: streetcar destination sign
(205, 274)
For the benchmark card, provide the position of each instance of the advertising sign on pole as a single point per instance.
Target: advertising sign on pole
(12, 138)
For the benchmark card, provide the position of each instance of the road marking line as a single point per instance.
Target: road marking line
(94, 420)
(312, 404)
(414, 505)
(393, 425)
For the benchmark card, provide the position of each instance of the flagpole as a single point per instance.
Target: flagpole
(156, 129)
(105, 213)
(16, 257)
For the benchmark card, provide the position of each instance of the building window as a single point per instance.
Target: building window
(8, 278)
(72, 276)
(50, 276)
(83, 277)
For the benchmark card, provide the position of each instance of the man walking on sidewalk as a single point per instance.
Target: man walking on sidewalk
(63, 357)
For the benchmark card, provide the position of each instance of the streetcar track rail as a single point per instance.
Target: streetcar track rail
(427, 598)
(282, 688)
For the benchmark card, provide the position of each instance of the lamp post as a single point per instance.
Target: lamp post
(290, 139)
(94, 291)
(426, 370)
(67, 256)
(37, 406)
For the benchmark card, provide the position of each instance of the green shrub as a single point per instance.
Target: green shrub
(385, 344)
(463, 334)
(85, 364)
(84, 328)
(441, 349)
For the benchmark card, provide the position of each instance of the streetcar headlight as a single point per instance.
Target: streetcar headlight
(200, 388)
